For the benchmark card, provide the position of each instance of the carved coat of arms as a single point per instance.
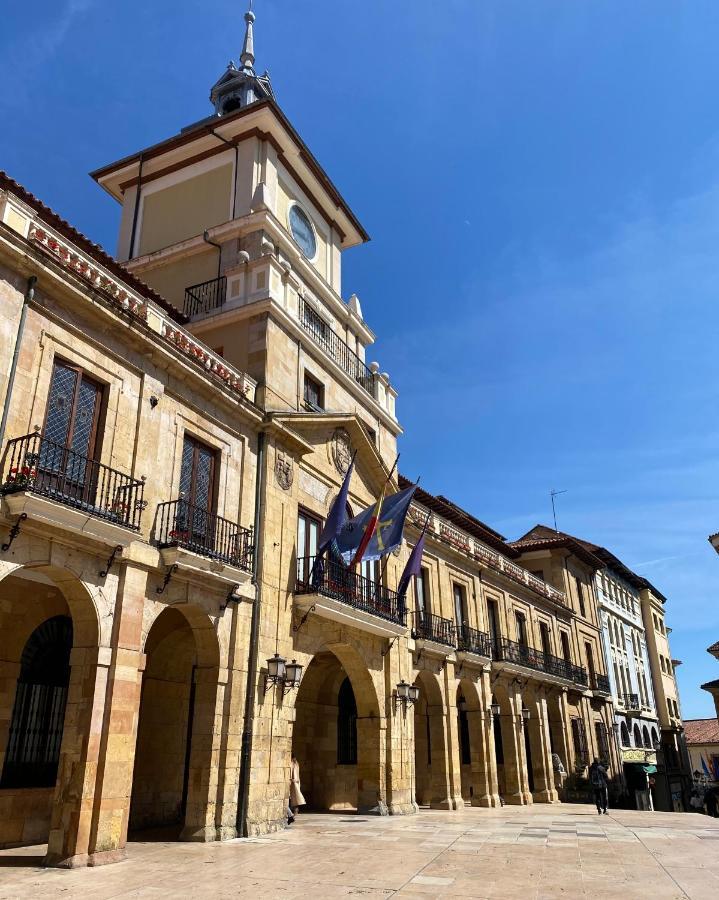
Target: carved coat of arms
(284, 470)
(341, 450)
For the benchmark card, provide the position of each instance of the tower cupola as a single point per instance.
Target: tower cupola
(238, 87)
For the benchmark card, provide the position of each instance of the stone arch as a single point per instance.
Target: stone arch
(637, 736)
(655, 736)
(432, 778)
(645, 737)
(29, 596)
(331, 778)
(511, 774)
(175, 773)
(539, 747)
(474, 771)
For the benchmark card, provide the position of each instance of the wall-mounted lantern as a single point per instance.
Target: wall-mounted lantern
(293, 675)
(526, 715)
(279, 671)
(406, 694)
(494, 710)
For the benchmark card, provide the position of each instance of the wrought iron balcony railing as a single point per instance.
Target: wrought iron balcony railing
(334, 346)
(193, 528)
(601, 684)
(631, 701)
(472, 641)
(522, 655)
(40, 466)
(334, 580)
(429, 627)
(206, 296)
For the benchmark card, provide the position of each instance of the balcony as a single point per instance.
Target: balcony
(632, 707)
(205, 297)
(600, 684)
(199, 541)
(334, 346)
(433, 633)
(47, 481)
(473, 645)
(329, 589)
(519, 656)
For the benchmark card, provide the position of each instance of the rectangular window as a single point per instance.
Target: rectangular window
(580, 597)
(495, 633)
(521, 628)
(71, 432)
(421, 591)
(545, 638)
(314, 393)
(590, 663)
(600, 730)
(579, 739)
(197, 474)
(308, 533)
(566, 652)
(460, 605)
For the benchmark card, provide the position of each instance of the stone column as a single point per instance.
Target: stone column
(486, 757)
(515, 767)
(371, 793)
(454, 770)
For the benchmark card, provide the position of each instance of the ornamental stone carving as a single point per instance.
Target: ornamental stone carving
(341, 450)
(284, 470)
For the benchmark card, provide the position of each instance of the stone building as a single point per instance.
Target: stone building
(175, 427)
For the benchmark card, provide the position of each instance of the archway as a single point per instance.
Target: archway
(336, 735)
(173, 756)
(431, 778)
(645, 737)
(46, 708)
(507, 749)
(472, 744)
(624, 732)
(637, 736)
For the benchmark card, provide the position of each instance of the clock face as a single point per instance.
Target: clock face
(303, 232)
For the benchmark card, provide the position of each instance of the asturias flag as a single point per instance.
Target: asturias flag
(387, 532)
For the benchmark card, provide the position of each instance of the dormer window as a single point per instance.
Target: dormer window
(302, 231)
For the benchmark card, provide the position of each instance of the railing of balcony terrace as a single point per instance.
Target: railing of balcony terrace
(193, 528)
(429, 627)
(601, 683)
(631, 701)
(472, 641)
(333, 345)
(206, 296)
(333, 579)
(40, 466)
(522, 655)
(579, 675)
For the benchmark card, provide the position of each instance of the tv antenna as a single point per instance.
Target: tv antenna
(554, 494)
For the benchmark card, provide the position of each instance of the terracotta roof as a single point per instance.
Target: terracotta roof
(51, 218)
(541, 537)
(701, 731)
(459, 517)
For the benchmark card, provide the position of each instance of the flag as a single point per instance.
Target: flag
(390, 515)
(706, 770)
(369, 530)
(414, 563)
(337, 515)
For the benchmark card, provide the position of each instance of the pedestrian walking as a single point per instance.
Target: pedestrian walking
(710, 801)
(296, 797)
(600, 785)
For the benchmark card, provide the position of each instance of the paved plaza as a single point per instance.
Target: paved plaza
(532, 852)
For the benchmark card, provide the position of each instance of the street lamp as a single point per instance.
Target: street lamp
(494, 710)
(276, 667)
(406, 694)
(293, 675)
(525, 715)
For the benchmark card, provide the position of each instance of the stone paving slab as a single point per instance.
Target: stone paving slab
(547, 852)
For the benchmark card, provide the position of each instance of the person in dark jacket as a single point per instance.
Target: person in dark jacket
(600, 786)
(710, 801)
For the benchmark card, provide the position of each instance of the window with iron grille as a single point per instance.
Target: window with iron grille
(346, 725)
(600, 730)
(314, 393)
(579, 739)
(33, 748)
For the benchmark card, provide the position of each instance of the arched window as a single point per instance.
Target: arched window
(346, 725)
(625, 735)
(637, 736)
(655, 737)
(645, 735)
(33, 748)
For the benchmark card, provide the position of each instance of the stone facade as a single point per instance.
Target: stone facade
(160, 550)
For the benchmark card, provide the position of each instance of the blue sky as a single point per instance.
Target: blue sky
(541, 183)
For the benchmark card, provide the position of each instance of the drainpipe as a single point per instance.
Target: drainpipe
(206, 239)
(250, 687)
(29, 294)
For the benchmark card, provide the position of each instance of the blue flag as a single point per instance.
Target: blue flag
(337, 515)
(388, 533)
(414, 563)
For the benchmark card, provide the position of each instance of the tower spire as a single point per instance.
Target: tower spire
(247, 57)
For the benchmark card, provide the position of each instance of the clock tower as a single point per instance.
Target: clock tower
(236, 223)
